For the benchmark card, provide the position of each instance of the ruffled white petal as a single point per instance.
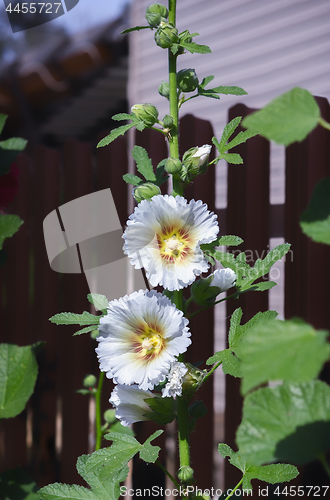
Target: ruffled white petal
(147, 226)
(130, 404)
(122, 330)
(175, 378)
(223, 279)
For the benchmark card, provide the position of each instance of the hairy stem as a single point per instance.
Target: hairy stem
(324, 124)
(234, 489)
(167, 473)
(98, 426)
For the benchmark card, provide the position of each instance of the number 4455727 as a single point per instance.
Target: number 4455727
(300, 491)
(32, 8)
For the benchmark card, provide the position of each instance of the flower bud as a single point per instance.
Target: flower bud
(197, 410)
(168, 122)
(146, 191)
(89, 381)
(195, 161)
(187, 80)
(110, 416)
(147, 113)
(158, 8)
(165, 35)
(223, 279)
(154, 20)
(173, 165)
(192, 380)
(164, 89)
(185, 473)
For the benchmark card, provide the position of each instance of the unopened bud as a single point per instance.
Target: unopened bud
(110, 416)
(187, 80)
(185, 473)
(173, 165)
(146, 191)
(154, 20)
(192, 380)
(89, 381)
(195, 161)
(165, 35)
(164, 89)
(197, 409)
(158, 8)
(147, 113)
(168, 122)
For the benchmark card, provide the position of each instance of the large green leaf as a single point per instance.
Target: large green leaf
(16, 484)
(18, 374)
(9, 225)
(315, 221)
(143, 163)
(275, 473)
(290, 423)
(116, 132)
(66, 318)
(287, 119)
(99, 301)
(281, 350)
(196, 48)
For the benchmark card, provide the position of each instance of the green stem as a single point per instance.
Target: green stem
(211, 371)
(211, 305)
(98, 425)
(167, 473)
(183, 428)
(233, 491)
(324, 124)
(324, 463)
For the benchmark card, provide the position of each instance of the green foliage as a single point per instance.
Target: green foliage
(116, 132)
(290, 422)
(85, 318)
(16, 484)
(18, 374)
(162, 410)
(193, 48)
(99, 301)
(315, 221)
(218, 90)
(281, 350)
(143, 163)
(136, 28)
(288, 118)
(3, 119)
(231, 364)
(132, 179)
(223, 147)
(9, 148)
(9, 225)
(278, 473)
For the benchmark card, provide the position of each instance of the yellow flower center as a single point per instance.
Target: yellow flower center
(153, 342)
(173, 244)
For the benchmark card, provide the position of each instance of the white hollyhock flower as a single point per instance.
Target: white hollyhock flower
(164, 235)
(140, 337)
(130, 404)
(175, 379)
(223, 278)
(203, 154)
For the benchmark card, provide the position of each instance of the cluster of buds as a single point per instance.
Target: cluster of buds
(146, 113)
(166, 35)
(155, 14)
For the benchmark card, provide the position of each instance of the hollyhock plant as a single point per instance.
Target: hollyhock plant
(140, 337)
(164, 235)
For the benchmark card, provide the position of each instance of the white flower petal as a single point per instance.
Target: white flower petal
(223, 279)
(164, 235)
(141, 335)
(129, 403)
(175, 378)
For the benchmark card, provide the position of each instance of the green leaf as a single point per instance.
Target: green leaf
(230, 363)
(65, 318)
(278, 473)
(116, 132)
(196, 48)
(9, 225)
(227, 240)
(160, 171)
(87, 329)
(290, 422)
(234, 158)
(59, 491)
(143, 163)
(262, 286)
(3, 119)
(16, 484)
(104, 490)
(13, 144)
(136, 28)
(286, 119)
(227, 132)
(205, 81)
(240, 139)
(149, 453)
(232, 90)
(132, 179)
(281, 350)
(237, 331)
(315, 221)
(123, 116)
(18, 374)
(100, 302)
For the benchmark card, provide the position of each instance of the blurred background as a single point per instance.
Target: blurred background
(64, 80)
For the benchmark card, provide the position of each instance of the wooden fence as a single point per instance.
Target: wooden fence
(54, 430)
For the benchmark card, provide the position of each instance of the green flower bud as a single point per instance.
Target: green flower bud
(147, 113)
(173, 166)
(94, 334)
(166, 35)
(197, 409)
(192, 380)
(154, 20)
(158, 8)
(195, 161)
(185, 473)
(164, 89)
(89, 381)
(187, 80)
(168, 122)
(110, 416)
(146, 191)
